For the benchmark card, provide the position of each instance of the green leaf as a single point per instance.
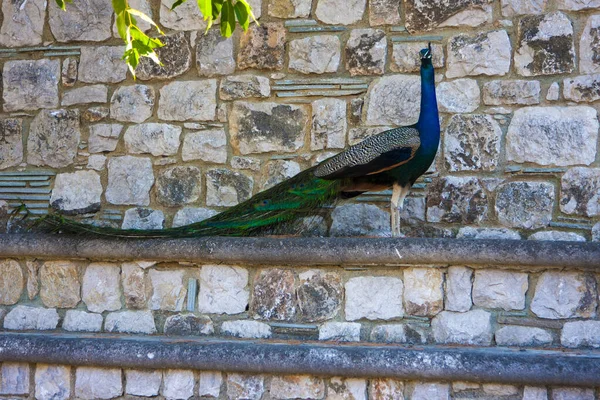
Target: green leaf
(249, 9)
(217, 5)
(177, 4)
(122, 25)
(119, 6)
(205, 8)
(242, 12)
(227, 19)
(63, 4)
(146, 18)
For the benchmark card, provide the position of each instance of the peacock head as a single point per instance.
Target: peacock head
(426, 55)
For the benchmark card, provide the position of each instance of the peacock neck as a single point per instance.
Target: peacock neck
(429, 120)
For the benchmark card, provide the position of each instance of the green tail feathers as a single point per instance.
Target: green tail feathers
(298, 197)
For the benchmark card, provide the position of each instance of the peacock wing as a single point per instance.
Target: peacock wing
(376, 154)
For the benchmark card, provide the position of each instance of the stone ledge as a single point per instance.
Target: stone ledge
(500, 365)
(310, 251)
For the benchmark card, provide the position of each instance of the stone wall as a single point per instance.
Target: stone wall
(226, 118)
(537, 308)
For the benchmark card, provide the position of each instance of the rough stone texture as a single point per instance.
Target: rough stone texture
(145, 7)
(579, 192)
(406, 58)
(85, 95)
(500, 289)
(190, 215)
(539, 134)
(424, 16)
(30, 85)
(132, 103)
(427, 391)
(297, 386)
(186, 17)
(413, 211)
(96, 162)
(461, 386)
(487, 53)
(472, 143)
(248, 163)
(168, 290)
(545, 45)
(553, 92)
(328, 124)
(581, 334)
(522, 336)
(23, 23)
(87, 20)
(26, 318)
(77, 193)
(214, 54)
(366, 52)
(526, 205)
(143, 218)
(134, 285)
(129, 180)
(273, 297)
(11, 282)
(60, 284)
(69, 71)
(561, 295)
(244, 86)
(15, 378)
(191, 100)
(246, 329)
(347, 389)
(511, 8)
(423, 294)
(153, 138)
(557, 235)
(210, 383)
(175, 55)
(245, 386)
(373, 298)
(359, 220)
(328, 11)
(101, 64)
(388, 389)
(142, 383)
(33, 283)
(52, 382)
(130, 322)
(266, 127)
(458, 96)
(472, 327)
(319, 295)
(535, 393)
(209, 146)
(511, 92)
(223, 289)
(495, 389)
(469, 232)
(53, 138)
(278, 171)
(178, 384)
(98, 383)
(393, 100)
(315, 54)
(290, 8)
(582, 88)
(263, 47)
(458, 289)
(396, 333)
(188, 325)
(11, 142)
(81, 321)
(179, 185)
(100, 289)
(225, 188)
(589, 55)
(384, 12)
(340, 331)
(456, 200)
(95, 114)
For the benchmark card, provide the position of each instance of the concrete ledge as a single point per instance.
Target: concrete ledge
(309, 251)
(500, 365)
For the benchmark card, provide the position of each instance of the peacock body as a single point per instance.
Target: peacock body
(394, 158)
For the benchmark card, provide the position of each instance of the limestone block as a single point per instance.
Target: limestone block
(11, 145)
(23, 23)
(273, 297)
(279, 171)
(143, 218)
(526, 205)
(456, 200)
(81, 321)
(406, 56)
(297, 386)
(52, 382)
(581, 334)
(328, 11)
(560, 295)
(223, 289)
(458, 96)
(366, 52)
(188, 325)
(245, 386)
(85, 95)
(579, 191)
(523, 336)
(487, 53)
(15, 378)
(132, 103)
(340, 331)
(77, 193)
(210, 383)
(347, 388)
(60, 285)
(214, 54)
(178, 384)
(11, 282)
(142, 383)
(129, 180)
(511, 92)
(393, 100)
(263, 47)
(27, 318)
(472, 143)
(244, 86)
(168, 290)
(225, 188)
(360, 220)
(458, 289)
(130, 322)
(423, 294)
(102, 64)
(190, 215)
(179, 185)
(53, 138)
(191, 100)
(175, 56)
(315, 54)
(426, 391)
(472, 327)
(98, 383)
(30, 84)
(100, 289)
(246, 329)
(373, 298)
(384, 12)
(209, 146)
(319, 295)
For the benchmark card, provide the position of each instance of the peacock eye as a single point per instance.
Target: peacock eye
(265, 202)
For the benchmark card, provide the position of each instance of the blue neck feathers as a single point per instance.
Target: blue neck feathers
(429, 120)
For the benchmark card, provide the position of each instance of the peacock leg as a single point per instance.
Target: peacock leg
(398, 194)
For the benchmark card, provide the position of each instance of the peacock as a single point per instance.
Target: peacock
(391, 159)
